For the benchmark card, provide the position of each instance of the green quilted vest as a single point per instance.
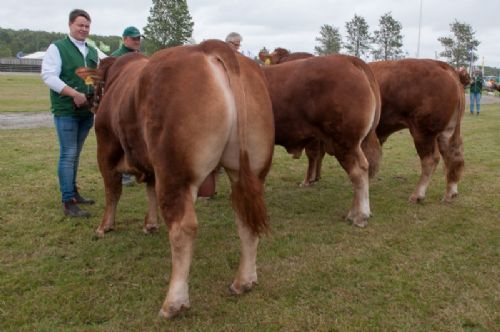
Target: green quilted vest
(122, 50)
(71, 60)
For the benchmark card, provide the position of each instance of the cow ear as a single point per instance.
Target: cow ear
(90, 76)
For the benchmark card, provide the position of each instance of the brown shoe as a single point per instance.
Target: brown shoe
(71, 209)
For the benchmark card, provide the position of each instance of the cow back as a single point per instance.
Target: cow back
(424, 93)
(322, 97)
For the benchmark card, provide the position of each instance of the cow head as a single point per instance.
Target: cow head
(492, 85)
(91, 77)
(464, 76)
(275, 57)
(96, 78)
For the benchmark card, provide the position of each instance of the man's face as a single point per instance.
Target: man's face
(132, 42)
(80, 28)
(235, 44)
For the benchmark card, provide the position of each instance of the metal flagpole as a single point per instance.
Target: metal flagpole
(419, 29)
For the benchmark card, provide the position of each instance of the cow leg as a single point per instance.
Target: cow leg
(356, 166)
(246, 276)
(452, 151)
(429, 159)
(151, 219)
(113, 191)
(182, 227)
(315, 153)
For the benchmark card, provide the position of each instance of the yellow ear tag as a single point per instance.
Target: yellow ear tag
(267, 62)
(89, 80)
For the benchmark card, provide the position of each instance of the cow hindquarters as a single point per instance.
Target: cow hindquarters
(356, 166)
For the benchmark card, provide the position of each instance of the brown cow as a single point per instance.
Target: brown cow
(170, 121)
(333, 99)
(427, 97)
(280, 55)
(492, 85)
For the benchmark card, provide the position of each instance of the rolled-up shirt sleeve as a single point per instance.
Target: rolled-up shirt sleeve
(51, 69)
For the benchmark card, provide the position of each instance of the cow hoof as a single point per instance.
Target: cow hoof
(305, 184)
(450, 197)
(416, 199)
(150, 229)
(173, 310)
(101, 231)
(360, 223)
(241, 289)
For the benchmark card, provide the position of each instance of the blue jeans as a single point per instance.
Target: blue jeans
(71, 132)
(477, 98)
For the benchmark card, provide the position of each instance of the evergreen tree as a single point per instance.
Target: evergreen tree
(330, 40)
(459, 48)
(388, 39)
(169, 24)
(358, 37)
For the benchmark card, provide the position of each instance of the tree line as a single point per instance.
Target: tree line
(28, 41)
(170, 24)
(386, 42)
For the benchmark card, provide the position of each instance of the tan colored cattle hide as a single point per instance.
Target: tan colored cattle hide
(170, 120)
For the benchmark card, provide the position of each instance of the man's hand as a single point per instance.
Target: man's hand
(80, 99)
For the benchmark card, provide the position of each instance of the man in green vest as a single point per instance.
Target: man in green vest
(131, 43)
(68, 96)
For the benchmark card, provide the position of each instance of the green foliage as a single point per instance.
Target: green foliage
(330, 40)
(358, 37)
(460, 46)
(28, 41)
(169, 24)
(388, 38)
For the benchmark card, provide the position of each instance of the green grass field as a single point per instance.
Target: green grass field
(23, 93)
(426, 267)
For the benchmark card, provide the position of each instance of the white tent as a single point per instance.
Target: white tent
(37, 55)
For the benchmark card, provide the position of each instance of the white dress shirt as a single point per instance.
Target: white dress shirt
(52, 64)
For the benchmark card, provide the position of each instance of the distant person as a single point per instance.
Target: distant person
(68, 97)
(131, 43)
(234, 40)
(476, 90)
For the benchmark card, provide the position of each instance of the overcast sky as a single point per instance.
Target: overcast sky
(292, 24)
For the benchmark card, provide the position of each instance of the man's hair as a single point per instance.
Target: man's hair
(233, 36)
(78, 12)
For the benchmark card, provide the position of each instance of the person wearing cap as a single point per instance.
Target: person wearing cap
(131, 42)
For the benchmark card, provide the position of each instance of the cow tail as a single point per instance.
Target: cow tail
(454, 158)
(247, 195)
(371, 145)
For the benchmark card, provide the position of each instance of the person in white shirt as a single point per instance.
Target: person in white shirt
(68, 95)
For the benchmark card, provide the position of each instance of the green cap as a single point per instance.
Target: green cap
(131, 32)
